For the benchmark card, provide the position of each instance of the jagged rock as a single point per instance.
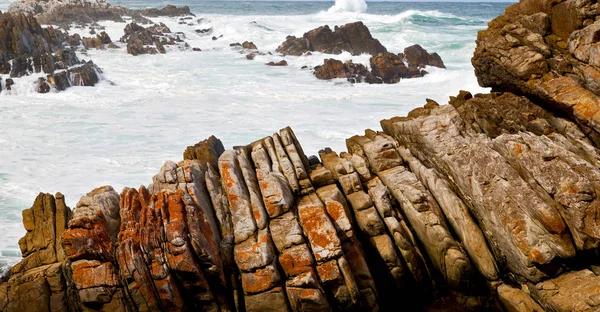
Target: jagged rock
(545, 50)
(150, 40)
(249, 45)
(489, 203)
(385, 68)
(9, 83)
(169, 10)
(353, 37)
(41, 281)
(205, 31)
(418, 57)
(332, 68)
(42, 86)
(280, 63)
(33, 49)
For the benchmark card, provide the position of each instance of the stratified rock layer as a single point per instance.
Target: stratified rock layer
(547, 50)
(488, 203)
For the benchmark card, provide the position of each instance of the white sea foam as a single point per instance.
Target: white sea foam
(356, 6)
(150, 107)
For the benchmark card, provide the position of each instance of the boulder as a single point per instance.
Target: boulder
(418, 57)
(280, 63)
(353, 37)
(332, 68)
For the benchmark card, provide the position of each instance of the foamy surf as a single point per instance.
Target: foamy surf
(355, 6)
(150, 107)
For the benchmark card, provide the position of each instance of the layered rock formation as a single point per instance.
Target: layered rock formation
(546, 50)
(26, 48)
(488, 203)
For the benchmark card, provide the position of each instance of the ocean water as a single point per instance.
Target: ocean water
(148, 108)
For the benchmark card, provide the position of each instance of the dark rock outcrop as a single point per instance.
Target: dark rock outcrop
(26, 48)
(385, 68)
(99, 42)
(169, 10)
(150, 40)
(332, 68)
(418, 57)
(354, 38)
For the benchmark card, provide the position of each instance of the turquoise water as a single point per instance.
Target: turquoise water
(483, 11)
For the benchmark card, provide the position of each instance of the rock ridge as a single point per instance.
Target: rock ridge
(487, 203)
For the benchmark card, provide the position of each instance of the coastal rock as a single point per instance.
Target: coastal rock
(418, 57)
(31, 49)
(280, 63)
(353, 37)
(150, 40)
(97, 42)
(545, 50)
(332, 68)
(487, 203)
(385, 68)
(249, 45)
(168, 10)
(64, 12)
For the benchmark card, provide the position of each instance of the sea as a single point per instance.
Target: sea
(148, 108)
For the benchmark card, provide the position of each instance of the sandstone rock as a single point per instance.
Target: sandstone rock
(573, 291)
(542, 49)
(515, 300)
(488, 203)
(353, 37)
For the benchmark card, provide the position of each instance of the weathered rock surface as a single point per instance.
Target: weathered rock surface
(418, 57)
(385, 68)
(150, 40)
(26, 48)
(546, 50)
(353, 37)
(488, 203)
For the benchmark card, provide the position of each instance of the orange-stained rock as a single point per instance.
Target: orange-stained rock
(256, 252)
(260, 280)
(296, 259)
(320, 231)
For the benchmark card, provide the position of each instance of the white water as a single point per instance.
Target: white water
(357, 6)
(150, 107)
